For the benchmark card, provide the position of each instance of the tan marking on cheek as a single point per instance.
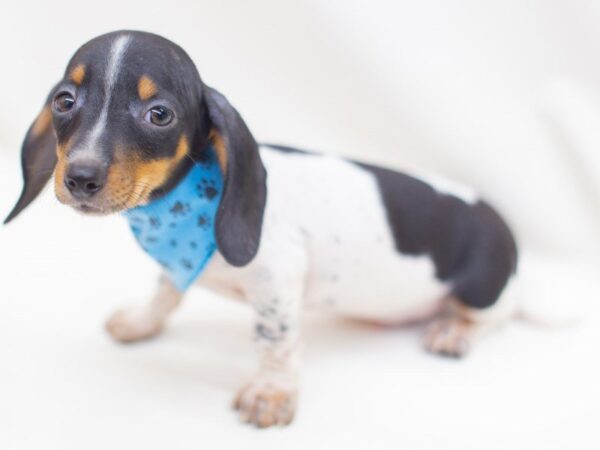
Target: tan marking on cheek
(42, 122)
(120, 184)
(77, 74)
(146, 88)
(59, 175)
(60, 169)
(156, 173)
(182, 148)
(220, 149)
(63, 148)
(137, 178)
(61, 163)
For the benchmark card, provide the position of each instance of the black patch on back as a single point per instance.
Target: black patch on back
(470, 245)
(286, 149)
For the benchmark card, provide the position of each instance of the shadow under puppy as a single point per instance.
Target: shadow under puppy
(132, 128)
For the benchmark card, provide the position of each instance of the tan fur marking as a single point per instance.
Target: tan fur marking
(449, 336)
(151, 175)
(220, 148)
(130, 180)
(146, 88)
(77, 74)
(59, 173)
(42, 122)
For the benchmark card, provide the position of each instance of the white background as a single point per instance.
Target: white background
(504, 96)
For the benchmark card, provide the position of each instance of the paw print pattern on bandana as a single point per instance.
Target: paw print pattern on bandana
(177, 230)
(207, 189)
(204, 221)
(179, 209)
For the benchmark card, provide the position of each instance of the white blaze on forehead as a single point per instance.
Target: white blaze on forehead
(115, 57)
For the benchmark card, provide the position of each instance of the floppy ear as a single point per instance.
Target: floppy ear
(38, 158)
(239, 217)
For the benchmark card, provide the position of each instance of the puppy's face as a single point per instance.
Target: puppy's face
(126, 116)
(127, 121)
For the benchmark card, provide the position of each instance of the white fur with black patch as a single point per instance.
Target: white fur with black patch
(326, 227)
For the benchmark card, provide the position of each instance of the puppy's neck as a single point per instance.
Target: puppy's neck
(177, 229)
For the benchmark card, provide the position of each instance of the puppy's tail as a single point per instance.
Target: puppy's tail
(551, 292)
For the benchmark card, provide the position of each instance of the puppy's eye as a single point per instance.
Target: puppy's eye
(64, 102)
(159, 115)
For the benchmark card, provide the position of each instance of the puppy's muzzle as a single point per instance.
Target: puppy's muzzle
(84, 180)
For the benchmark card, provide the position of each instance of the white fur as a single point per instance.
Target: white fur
(117, 51)
(330, 211)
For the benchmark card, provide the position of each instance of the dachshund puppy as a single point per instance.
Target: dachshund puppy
(132, 128)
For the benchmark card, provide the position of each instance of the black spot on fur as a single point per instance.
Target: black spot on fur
(262, 332)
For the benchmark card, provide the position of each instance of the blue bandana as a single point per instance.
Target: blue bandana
(177, 230)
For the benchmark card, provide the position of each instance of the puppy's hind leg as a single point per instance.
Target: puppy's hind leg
(455, 331)
(145, 321)
(482, 287)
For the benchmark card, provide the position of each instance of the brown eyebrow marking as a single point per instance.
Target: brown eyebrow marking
(146, 88)
(77, 74)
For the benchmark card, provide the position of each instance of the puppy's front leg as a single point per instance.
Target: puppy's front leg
(270, 398)
(145, 321)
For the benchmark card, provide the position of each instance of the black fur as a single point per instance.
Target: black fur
(471, 246)
(38, 158)
(239, 218)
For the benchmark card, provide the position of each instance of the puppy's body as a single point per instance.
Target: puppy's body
(332, 214)
(131, 118)
(325, 222)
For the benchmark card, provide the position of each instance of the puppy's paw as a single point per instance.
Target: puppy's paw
(269, 399)
(449, 337)
(133, 324)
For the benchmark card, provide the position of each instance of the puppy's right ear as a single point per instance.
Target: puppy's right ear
(38, 159)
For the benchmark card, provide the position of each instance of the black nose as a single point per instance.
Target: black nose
(83, 181)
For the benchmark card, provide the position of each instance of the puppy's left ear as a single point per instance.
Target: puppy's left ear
(239, 218)
(38, 159)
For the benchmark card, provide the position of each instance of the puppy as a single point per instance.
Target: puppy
(132, 128)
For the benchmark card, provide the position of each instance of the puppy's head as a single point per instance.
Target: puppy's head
(125, 124)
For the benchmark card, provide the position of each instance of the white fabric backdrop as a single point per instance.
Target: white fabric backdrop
(503, 95)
